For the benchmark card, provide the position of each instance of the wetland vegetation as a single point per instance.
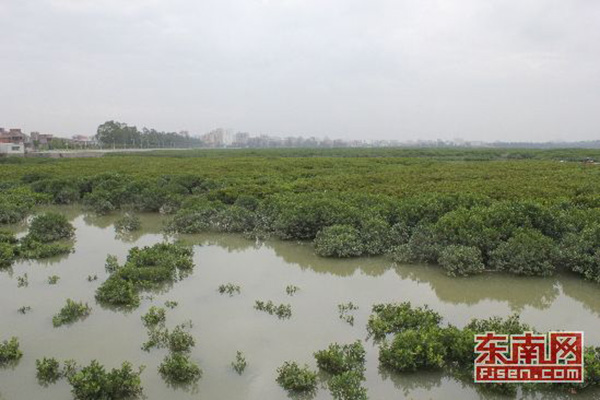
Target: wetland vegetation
(145, 268)
(521, 212)
(470, 213)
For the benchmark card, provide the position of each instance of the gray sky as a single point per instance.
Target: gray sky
(388, 69)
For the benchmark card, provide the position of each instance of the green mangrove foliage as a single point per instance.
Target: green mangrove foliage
(338, 241)
(419, 205)
(413, 349)
(10, 351)
(46, 238)
(128, 223)
(283, 311)
(23, 281)
(17, 202)
(348, 386)
(93, 382)
(240, 363)
(7, 255)
(178, 368)
(50, 227)
(48, 370)
(53, 279)
(391, 318)
(72, 311)
(345, 310)
(171, 304)
(230, 288)
(291, 289)
(8, 251)
(461, 260)
(177, 340)
(413, 343)
(154, 317)
(528, 252)
(337, 358)
(146, 268)
(346, 364)
(465, 234)
(294, 378)
(31, 249)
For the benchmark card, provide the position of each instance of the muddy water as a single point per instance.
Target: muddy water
(224, 324)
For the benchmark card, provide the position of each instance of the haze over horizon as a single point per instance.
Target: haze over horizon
(385, 69)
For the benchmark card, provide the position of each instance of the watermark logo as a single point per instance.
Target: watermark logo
(555, 357)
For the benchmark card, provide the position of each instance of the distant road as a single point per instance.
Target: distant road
(93, 152)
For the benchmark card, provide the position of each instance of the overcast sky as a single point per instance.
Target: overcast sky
(371, 69)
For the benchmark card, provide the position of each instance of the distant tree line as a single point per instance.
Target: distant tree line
(120, 135)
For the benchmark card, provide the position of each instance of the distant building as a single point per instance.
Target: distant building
(83, 140)
(41, 138)
(12, 149)
(13, 136)
(241, 139)
(214, 138)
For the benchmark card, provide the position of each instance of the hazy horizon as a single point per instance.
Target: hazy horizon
(396, 70)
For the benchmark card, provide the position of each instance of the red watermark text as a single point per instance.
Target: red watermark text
(556, 357)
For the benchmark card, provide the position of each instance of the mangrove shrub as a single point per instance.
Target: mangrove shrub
(528, 252)
(461, 260)
(339, 241)
(294, 378)
(50, 227)
(10, 351)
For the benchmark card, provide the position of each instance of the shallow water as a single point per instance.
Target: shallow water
(224, 324)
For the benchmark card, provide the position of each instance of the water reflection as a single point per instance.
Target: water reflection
(409, 382)
(263, 269)
(233, 243)
(578, 289)
(518, 292)
(50, 260)
(10, 365)
(190, 388)
(301, 254)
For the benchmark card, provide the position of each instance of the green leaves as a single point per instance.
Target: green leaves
(179, 368)
(48, 370)
(283, 311)
(71, 312)
(240, 363)
(342, 358)
(411, 350)
(461, 260)
(41, 242)
(145, 268)
(230, 288)
(528, 252)
(154, 317)
(10, 352)
(339, 241)
(93, 382)
(128, 223)
(294, 378)
(394, 318)
(50, 227)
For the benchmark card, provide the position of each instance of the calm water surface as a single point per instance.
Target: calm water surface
(224, 324)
